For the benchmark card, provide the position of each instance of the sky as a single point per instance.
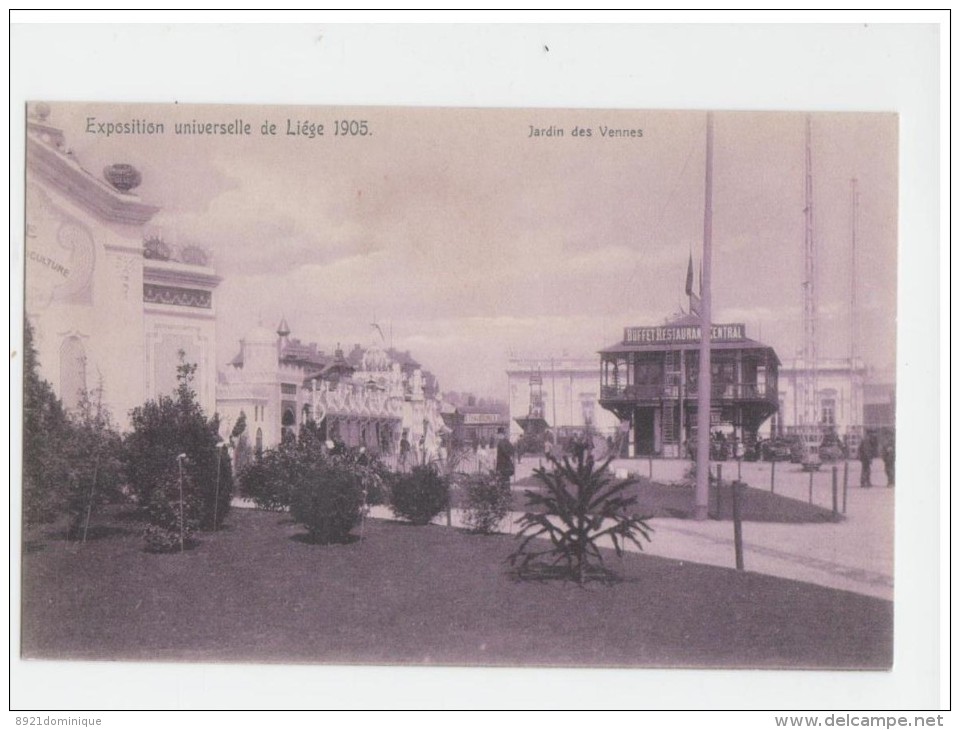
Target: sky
(468, 240)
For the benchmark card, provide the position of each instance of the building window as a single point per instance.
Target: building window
(259, 442)
(828, 412)
(73, 372)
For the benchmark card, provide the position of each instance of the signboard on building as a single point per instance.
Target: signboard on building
(475, 419)
(681, 334)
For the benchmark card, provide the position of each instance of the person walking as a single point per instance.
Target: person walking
(504, 464)
(889, 460)
(866, 457)
(404, 451)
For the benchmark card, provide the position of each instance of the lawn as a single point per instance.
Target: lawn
(258, 591)
(676, 500)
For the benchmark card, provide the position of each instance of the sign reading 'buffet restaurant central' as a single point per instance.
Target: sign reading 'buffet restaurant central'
(681, 334)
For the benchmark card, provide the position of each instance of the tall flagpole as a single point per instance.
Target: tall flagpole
(701, 498)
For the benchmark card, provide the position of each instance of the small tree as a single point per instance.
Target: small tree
(46, 428)
(242, 451)
(95, 459)
(163, 430)
(582, 505)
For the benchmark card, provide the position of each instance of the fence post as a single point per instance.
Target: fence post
(846, 468)
(810, 496)
(650, 468)
(719, 487)
(834, 485)
(737, 527)
(773, 465)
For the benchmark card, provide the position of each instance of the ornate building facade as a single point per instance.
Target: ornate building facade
(110, 306)
(563, 391)
(367, 400)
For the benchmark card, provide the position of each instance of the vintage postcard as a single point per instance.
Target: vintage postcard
(453, 386)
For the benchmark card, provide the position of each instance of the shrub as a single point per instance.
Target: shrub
(327, 498)
(268, 479)
(162, 430)
(487, 503)
(581, 505)
(163, 512)
(419, 495)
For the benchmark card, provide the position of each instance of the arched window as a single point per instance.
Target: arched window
(73, 372)
(289, 418)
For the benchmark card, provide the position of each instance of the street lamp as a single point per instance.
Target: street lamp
(180, 458)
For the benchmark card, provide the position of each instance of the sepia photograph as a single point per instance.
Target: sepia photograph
(368, 385)
(397, 385)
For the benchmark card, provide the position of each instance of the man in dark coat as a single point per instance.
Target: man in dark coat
(866, 457)
(889, 460)
(504, 464)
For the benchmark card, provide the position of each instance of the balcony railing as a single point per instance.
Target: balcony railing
(719, 391)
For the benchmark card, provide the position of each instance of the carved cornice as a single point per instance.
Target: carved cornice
(174, 273)
(64, 174)
(177, 296)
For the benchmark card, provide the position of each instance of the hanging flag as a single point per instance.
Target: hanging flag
(695, 304)
(689, 289)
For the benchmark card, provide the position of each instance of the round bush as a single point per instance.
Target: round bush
(487, 503)
(419, 495)
(327, 499)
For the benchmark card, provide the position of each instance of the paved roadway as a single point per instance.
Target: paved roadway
(855, 554)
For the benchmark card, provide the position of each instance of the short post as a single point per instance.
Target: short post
(650, 467)
(810, 496)
(180, 459)
(739, 475)
(834, 485)
(737, 526)
(846, 469)
(719, 487)
(773, 465)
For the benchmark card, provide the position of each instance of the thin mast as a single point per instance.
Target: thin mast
(701, 500)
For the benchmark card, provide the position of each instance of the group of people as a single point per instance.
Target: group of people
(869, 450)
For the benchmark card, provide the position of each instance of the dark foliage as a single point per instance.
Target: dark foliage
(327, 498)
(71, 462)
(325, 490)
(487, 502)
(419, 495)
(581, 504)
(46, 428)
(163, 430)
(95, 452)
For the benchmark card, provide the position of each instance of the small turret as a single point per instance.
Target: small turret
(283, 332)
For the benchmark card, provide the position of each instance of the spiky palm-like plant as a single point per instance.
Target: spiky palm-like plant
(582, 504)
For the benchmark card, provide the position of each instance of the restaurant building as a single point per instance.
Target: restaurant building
(649, 382)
